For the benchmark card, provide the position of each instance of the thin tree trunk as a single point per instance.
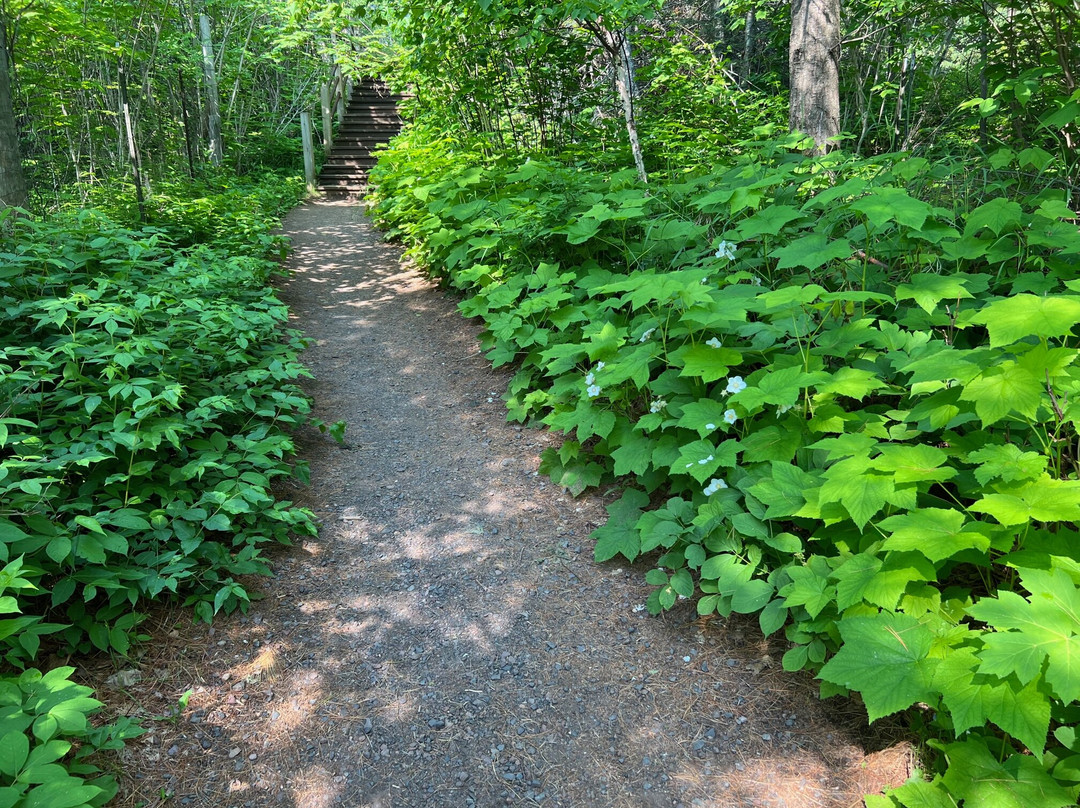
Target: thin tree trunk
(133, 153)
(814, 63)
(213, 108)
(748, 47)
(12, 180)
(187, 123)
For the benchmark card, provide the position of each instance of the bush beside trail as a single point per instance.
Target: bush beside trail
(147, 386)
(836, 395)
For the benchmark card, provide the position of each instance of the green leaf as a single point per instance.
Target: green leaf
(998, 215)
(709, 363)
(884, 205)
(860, 491)
(937, 533)
(1005, 389)
(808, 589)
(767, 222)
(1044, 626)
(700, 458)
(218, 521)
(811, 252)
(1008, 462)
(634, 454)
(913, 463)
(67, 793)
(973, 700)
(751, 596)
(619, 535)
(90, 524)
(14, 749)
(783, 492)
(772, 617)
(886, 659)
(1041, 500)
(928, 290)
(977, 777)
(1014, 318)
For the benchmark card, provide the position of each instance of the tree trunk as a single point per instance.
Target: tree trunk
(213, 107)
(12, 181)
(814, 61)
(617, 46)
(748, 48)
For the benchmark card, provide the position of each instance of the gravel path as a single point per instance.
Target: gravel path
(447, 640)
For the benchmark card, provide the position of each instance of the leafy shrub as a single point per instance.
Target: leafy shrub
(146, 383)
(840, 397)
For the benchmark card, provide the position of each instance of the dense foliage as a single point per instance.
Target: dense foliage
(843, 404)
(838, 392)
(146, 383)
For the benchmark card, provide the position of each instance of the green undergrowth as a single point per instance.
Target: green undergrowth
(147, 386)
(837, 394)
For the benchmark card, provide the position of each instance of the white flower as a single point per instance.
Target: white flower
(710, 427)
(646, 335)
(599, 365)
(730, 416)
(783, 408)
(657, 405)
(755, 280)
(713, 343)
(593, 390)
(705, 460)
(714, 485)
(735, 384)
(590, 378)
(640, 607)
(726, 250)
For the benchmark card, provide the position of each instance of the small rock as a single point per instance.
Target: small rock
(125, 678)
(234, 751)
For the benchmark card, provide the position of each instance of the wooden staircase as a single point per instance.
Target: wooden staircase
(371, 119)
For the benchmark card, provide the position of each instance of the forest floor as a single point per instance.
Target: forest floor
(448, 640)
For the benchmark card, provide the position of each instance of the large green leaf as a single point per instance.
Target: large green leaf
(928, 290)
(1043, 626)
(1042, 500)
(885, 658)
(619, 535)
(937, 533)
(1014, 318)
(884, 205)
(1003, 390)
(982, 781)
(811, 252)
(974, 699)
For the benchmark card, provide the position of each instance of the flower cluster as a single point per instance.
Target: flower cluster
(715, 484)
(657, 405)
(592, 389)
(726, 249)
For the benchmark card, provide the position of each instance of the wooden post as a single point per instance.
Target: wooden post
(327, 120)
(309, 151)
(342, 96)
(133, 153)
(213, 108)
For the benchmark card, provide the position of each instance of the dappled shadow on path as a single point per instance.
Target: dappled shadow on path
(446, 641)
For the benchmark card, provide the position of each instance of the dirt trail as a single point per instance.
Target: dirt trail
(447, 640)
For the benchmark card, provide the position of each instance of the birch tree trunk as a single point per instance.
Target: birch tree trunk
(12, 180)
(617, 46)
(213, 104)
(814, 60)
